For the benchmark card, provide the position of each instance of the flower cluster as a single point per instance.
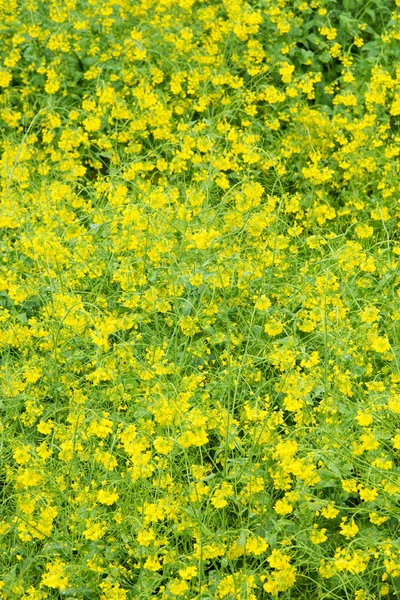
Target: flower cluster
(199, 299)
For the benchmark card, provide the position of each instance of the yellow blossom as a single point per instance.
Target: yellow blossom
(55, 576)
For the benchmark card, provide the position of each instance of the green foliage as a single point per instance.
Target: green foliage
(199, 299)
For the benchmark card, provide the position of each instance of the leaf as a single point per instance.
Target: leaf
(186, 308)
(371, 13)
(85, 593)
(327, 479)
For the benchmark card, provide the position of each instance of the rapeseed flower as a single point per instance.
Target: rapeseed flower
(199, 299)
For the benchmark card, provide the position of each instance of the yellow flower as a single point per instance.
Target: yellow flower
(32, 374)
(394, 403)
(92, 123)
(101, 428)
(94, 531)
(380, 344)
(364, 231)
(53, 82)
(22, 455)
(152, 563)
(329, 32)
(188, 572)
(45, 427)
(163, 445)
(317, 536)
(376, 519)
(44, 451)
(366, 494)
(278, 560)
(145, 537)
(256, 545)
(349, 485)
(112, 591)
(280, 581)
(108, 498)
(106, 459)
(5, 78)
(364, 418)
(348, 530)
(283, 507)
(329, 512)
(263, 303)
(286, 71)
(204, 239)
(273, 327)
(178, 587)
(55, 576)
(223, 491)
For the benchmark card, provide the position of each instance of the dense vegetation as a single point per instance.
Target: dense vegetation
(199, 299)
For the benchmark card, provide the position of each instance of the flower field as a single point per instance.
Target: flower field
(199, 299)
